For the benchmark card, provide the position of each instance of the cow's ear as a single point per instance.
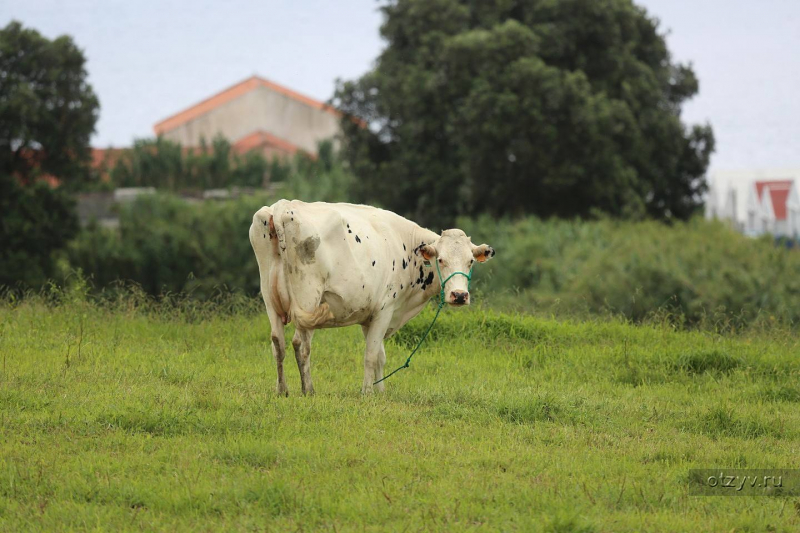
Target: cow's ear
(428, 251)
(483, 253)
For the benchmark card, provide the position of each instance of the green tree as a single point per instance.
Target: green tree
(552, 107)
(47, 114)
(151, 163)
(48, 109)
(37, 222)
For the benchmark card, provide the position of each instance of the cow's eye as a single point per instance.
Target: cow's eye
(440, 261)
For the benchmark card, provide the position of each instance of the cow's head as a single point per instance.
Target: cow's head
(454, 252)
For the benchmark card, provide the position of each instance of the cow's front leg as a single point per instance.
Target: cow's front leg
(302, 352)
(381, 363)
(374, 354)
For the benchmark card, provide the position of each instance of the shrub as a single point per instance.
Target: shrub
(37, 222)
(696, 272)
(168, 245)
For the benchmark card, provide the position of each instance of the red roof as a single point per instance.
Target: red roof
(263, 140)
(779, 194)
(102, 161)
(106, 156)
(232, 93)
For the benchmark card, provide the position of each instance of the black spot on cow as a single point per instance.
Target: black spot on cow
(492, 252)
(394, 295)
(404, 264)
(401, 286)
(362, 286)
(373, 263)
(358, 240)
(392, 265)
(265, 235)
(306, 250)
(429, 279)
(265, 222)
(404, 245)
(349, 231)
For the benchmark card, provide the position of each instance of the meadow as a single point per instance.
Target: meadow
(159, 417)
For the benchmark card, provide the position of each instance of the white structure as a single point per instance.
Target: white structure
(255, 114)
(757, 201)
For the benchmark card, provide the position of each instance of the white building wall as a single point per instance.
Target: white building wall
(735, 196)
(260, 109)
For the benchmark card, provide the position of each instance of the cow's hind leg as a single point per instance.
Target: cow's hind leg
(302, 352)
(269, 270)
(278, 339)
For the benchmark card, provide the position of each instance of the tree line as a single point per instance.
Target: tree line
(562, 108)
(552, 108)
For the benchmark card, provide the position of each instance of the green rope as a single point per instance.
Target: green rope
(438, 310)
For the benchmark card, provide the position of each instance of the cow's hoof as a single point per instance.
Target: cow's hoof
(282, 390)
(309, 392)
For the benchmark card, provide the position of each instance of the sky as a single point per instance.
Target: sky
(150, 59)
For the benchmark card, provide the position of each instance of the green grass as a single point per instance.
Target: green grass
(141, 419)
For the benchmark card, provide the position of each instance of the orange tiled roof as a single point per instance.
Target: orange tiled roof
(102, 160)
(259, 139)
(779, 194)
(106, 156)
(231, 93)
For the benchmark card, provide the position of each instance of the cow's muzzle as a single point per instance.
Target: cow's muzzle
(459, 298)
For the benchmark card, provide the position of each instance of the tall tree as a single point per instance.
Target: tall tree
(552, 107)
(48, 109)
(47, 113)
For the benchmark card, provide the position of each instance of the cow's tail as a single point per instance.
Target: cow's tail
(263, 236)
(264, 240)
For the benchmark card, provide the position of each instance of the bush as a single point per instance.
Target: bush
(168, 245)
(37, 222)
(165, 244)
(167, 166)
(696, 271)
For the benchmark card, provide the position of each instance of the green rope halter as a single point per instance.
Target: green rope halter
(438, 310)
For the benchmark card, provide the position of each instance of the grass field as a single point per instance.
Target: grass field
(145, 420)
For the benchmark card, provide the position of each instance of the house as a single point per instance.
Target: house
(773, 207)
(255, 114)
(757, 202)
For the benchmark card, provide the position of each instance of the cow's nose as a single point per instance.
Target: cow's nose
(459, 297)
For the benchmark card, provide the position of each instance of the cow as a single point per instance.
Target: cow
(325, 265)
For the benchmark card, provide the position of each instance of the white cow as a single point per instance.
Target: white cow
(331, 265)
